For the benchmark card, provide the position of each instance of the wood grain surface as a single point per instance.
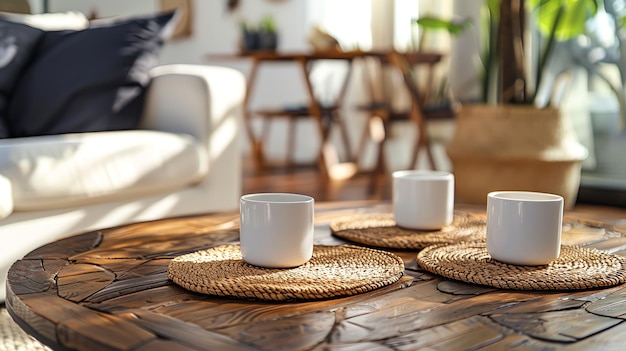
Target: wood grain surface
(108, 290)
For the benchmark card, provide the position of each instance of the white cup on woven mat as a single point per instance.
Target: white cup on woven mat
(423, 199)
(276, 229)
(524, 228)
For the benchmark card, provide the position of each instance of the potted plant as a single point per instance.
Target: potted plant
(517, 139)
(263, 36)
(268, 36)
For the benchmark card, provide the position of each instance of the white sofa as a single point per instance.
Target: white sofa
(185, 159)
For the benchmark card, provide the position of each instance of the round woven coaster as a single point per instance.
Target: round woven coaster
(380, 230)
(576, 268)
(333, 271)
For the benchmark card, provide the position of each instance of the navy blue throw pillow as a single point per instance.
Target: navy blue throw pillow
(17, 43)
(88, 80)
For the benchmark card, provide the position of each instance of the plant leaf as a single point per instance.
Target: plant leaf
(452, 27)
(493, 7)
(572, 23)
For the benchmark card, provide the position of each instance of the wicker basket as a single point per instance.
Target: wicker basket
(515, 147)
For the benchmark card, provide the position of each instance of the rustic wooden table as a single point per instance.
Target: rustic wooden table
(108, 290)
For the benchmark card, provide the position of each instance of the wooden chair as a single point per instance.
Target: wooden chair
(326, 116)
(331, 115)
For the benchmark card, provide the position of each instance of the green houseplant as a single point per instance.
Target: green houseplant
(556, 20)
(516, 139)
(263, 36)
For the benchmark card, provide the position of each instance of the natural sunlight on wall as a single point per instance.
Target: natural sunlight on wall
(405, 34)
(353, 30)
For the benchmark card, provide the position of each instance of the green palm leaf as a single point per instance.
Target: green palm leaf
(573, 14)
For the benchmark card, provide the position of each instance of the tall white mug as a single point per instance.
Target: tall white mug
(524, 228)
(423, 199)
(276, 229)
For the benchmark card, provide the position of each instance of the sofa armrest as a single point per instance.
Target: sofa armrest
(193, 99)
(205, 102)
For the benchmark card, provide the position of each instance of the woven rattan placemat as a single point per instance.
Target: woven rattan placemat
(333, 271)
(380, 230)
(577, 268)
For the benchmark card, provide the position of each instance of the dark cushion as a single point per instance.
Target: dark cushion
(88, 80)
(17, 44)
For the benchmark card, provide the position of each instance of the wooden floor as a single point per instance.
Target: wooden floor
(308, 180)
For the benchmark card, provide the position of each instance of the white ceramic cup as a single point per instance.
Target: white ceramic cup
(524, 228)
(423, 199)
(276, 229)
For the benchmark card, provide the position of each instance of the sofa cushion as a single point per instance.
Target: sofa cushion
(17, 44)
(76, 169)
(88, 80)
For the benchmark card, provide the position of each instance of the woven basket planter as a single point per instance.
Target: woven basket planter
(514, 147)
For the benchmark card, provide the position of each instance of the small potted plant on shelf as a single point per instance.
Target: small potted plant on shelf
(263, 36)
(268, 36)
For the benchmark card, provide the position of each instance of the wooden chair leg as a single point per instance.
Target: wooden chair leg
(345, 137)
(427, 145)
(431, 158)
(416, 150)
(365, 136)
(378, 171)
(422, 141)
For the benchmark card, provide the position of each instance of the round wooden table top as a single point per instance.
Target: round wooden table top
(109, 290)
